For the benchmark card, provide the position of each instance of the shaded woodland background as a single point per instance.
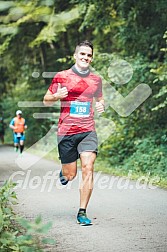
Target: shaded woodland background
(40, 36)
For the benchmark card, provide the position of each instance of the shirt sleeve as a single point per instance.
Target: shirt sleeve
(99, 92)
(12, 122)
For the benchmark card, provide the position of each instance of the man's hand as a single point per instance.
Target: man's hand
(13, 127)
(61, 92)
(50, 99)
(99, 107)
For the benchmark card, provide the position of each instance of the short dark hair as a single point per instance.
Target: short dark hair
(85, 43)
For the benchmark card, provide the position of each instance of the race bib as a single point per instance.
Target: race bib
(18, 134)
(79, 109)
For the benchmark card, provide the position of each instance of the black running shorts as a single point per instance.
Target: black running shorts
(70, 147)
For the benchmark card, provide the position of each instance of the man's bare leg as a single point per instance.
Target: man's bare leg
(86, 187)
(16, 146)
(69, 171)
(21, 146)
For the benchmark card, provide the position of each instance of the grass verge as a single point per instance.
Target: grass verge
(102, 165)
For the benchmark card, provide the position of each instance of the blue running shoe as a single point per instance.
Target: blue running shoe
(62, 179)
(83, 220)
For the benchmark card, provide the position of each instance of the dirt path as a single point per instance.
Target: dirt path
(127, 216)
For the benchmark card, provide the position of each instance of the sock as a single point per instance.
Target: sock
(81, 211)
(16, 148)
(21, 148)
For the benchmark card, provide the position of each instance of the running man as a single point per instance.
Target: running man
(76, 88)
(18, 126)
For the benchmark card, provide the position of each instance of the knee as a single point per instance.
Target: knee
(87, 170)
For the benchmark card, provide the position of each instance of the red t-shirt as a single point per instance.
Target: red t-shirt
(77, 114)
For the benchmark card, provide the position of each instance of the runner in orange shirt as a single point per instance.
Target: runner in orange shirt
(18, 126)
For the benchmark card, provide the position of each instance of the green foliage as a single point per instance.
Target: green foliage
(18, 234)
(56, 25)
(148, 156)
(162, 93)
(40, 36)
(144, 27)
(161, 77)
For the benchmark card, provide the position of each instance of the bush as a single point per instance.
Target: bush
(148, 157)
(18, 234)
